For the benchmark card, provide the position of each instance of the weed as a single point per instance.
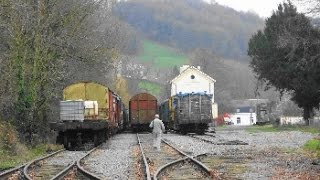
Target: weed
(271, 128)
(313, 146)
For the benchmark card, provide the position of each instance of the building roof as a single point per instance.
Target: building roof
(248, 102)
(197, 70)
(245, 110)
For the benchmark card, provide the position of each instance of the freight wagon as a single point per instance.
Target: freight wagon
(142, 108)
(190, 112)
(166, 112)
(89, 113)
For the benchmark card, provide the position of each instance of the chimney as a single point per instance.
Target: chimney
(183, 67)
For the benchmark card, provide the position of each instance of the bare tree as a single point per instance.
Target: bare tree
(46, 44)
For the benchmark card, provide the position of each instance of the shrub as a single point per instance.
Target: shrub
(8, 137)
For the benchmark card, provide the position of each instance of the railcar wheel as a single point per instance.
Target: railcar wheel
(65, 141)
(95, 140)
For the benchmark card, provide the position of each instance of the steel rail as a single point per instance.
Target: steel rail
(162, 168)
(64, 172)
(144, 159)
(201, 139)
(11, 171)
(175, 148)
(234, 142)
(187, 157)
(85, 172)
(25, 169)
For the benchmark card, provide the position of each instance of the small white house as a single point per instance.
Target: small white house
(192, 80)
(244, 116)
(247, 111)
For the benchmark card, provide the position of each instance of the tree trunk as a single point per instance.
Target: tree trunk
(307, 111)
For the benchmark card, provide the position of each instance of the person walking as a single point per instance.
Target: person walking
(157, 129)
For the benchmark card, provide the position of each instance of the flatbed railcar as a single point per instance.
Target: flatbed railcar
(190, 112)
(89, 113)
(142, 109)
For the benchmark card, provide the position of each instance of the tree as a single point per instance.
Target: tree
(39, 39)
(286, 55)
(121, 87)
(311, 7)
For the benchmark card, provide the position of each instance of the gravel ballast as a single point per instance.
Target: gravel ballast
(114, 160)
(275, 155)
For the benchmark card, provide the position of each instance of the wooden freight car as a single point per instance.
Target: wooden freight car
(142, 108)
(89, 112)
(190, 112)
(166, 111)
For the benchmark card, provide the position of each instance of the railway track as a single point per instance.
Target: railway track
(209, 138)
(14, 174)
(45, 167)
(225, 166)
(61, 164)
(170, 162)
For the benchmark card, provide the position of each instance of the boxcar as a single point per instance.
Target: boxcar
(89, 113)
(189, 112)
(166, 111)
(142, 108)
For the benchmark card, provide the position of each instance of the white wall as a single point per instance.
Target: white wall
(214, 110)
(185, 84)
(245, 118)
(284, 120)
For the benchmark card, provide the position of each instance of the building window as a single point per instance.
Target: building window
(192, 76)
(238, 120)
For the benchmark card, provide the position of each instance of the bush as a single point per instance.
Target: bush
(8, 137)
(13, 153)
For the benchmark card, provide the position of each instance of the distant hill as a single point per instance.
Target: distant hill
(190, 24)
(161, 56)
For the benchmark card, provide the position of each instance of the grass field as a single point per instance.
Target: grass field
(152, 88)
(162, 56)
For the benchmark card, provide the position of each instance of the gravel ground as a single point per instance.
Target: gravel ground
(268, 155)
(114, 160)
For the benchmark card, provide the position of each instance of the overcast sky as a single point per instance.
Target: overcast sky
(263, 8)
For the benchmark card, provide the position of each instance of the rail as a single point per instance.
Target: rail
(85, 172)
(64, 172)
(144, 159)
(25, 169)
(6, 173)
(186, 158)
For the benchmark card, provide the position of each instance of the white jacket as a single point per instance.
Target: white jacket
(157, 125)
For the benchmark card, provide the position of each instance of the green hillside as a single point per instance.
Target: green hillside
(160, 55)
(191, 24)
(152, 88)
